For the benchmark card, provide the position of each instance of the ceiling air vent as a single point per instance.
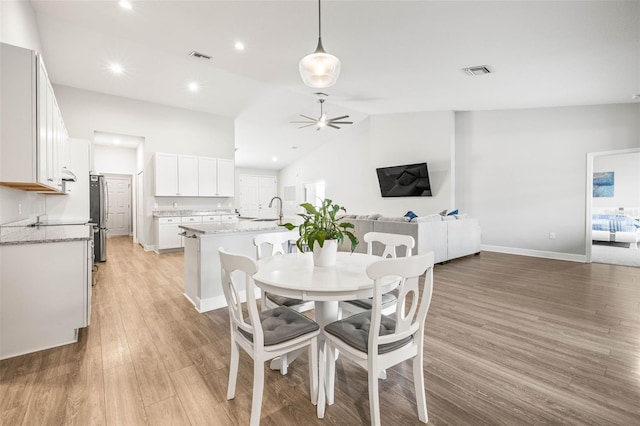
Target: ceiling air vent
(477, 70)
(199, 55)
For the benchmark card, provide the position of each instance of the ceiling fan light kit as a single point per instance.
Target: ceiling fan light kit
(319, 69)
(322, 121)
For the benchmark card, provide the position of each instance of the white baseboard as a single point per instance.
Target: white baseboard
(217, 302)
(148, 247)
(536, 253)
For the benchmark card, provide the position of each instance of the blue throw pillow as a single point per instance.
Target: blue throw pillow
(410, 215)
(453, 213)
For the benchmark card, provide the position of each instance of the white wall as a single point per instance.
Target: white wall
(523, 172)
(165, 129)
(74, 205)
(110, 159)
(348, 164)
(626, 189)
(18, 27)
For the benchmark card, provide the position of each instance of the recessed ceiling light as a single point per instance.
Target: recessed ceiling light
(116, 68)
(116, 141)
(274, 159)
(125, 5)
(477, 70)
(294, 147)
(239, 45)
(193, 86)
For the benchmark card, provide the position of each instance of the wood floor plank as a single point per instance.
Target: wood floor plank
(199, 405)
(167, 413)
(509, 340)
(123, 401)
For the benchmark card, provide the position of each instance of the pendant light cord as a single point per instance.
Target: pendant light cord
(319, 21)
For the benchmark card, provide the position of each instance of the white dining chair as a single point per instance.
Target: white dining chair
(398, 339)
(279, 243)
(391, 243)
(263, 335)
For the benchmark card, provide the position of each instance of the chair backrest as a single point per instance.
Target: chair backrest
(231, 287)
(408, 322)
(390, 242)
(277, 241)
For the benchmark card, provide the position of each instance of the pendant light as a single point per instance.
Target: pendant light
(319, 69)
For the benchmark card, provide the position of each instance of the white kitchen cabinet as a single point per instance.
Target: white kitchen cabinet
(211, 219)
(32, 130)
(168, 233)
(176, 175)
(207, 177)
(216, 177)
(44, 305)
(187, 176)
(166, 174)
(226, 177)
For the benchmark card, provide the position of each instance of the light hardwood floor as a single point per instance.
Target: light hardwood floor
(510, 340)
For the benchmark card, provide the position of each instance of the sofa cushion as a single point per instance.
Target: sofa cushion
(429, 218)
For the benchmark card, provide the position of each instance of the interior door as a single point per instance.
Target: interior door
(119, 212)
(267, 188)
(249, 198)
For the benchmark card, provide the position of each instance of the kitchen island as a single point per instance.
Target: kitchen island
(202, 279)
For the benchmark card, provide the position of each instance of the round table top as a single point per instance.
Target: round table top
(294, 275)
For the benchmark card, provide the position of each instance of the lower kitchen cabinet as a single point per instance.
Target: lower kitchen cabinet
(46, 294)
(167, 233)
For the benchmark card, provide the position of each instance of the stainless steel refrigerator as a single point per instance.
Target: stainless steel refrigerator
(98, 210)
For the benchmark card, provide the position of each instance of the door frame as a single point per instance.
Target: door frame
(589, 189)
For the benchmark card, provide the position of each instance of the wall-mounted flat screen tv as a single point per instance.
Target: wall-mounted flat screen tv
(411, 180)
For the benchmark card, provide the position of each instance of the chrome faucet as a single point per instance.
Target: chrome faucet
(280, 212)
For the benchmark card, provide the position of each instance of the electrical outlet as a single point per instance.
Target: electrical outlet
(175, 205)
(552, 235)
(19, 209)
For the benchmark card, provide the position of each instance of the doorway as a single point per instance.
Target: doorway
(613, 207)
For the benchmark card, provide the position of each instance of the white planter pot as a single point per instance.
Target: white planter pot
(325, 256)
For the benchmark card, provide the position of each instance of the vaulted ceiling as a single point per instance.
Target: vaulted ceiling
(397, 56)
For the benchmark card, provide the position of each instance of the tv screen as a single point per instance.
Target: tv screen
(411, 180)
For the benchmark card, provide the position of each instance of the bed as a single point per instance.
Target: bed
(615, 228)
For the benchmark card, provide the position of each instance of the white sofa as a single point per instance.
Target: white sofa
(449, 237)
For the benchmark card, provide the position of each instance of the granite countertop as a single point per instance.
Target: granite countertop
(180, 213)
(231, 227)
(44, 234)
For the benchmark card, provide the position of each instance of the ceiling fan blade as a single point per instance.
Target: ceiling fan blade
(298, 122)
(307, 125)
(308, 118)
(338, 118)
(333, 125)
(341, 122)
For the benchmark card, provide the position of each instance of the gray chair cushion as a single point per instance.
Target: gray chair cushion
(354, 331)
(282, 324)
(368, 303)
(283, 301)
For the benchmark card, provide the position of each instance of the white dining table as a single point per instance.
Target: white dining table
(294, 275)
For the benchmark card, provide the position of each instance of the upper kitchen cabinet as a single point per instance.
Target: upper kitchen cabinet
(191, 176)
(32, 130)
(176, 175)
(215, 177)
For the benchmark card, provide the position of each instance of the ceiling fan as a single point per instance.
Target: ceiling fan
(322, 121)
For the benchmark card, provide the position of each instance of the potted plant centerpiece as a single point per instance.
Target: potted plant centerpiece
(322, 230)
